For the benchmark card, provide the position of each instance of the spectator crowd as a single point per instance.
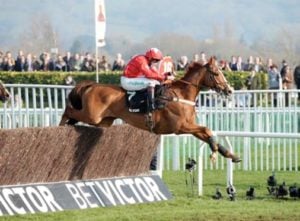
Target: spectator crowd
(278, 76)
(68, 62)
(87, 62)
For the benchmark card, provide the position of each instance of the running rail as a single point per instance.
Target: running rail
(224, 135)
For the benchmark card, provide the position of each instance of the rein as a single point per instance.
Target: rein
(189, 83)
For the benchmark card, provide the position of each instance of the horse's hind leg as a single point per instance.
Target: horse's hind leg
(72, 121)
(65, 119)
(83, 115)
(106, 122)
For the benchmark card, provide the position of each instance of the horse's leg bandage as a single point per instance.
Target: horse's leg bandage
(223, 151)
(213, 144)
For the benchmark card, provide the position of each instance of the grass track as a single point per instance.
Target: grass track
(186, 206)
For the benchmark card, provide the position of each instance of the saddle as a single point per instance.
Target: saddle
(138, 101)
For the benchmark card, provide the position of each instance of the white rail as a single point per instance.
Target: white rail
(225, 135)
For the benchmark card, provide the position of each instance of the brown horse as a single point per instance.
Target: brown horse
(4, 94)
(100, 105)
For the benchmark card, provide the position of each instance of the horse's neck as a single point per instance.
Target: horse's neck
(193, 78)
(185, 90)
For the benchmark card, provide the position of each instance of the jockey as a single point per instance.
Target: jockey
(139, 74)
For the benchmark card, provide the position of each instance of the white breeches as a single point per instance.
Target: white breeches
(135, 84)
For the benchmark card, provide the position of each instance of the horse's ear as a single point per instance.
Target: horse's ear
(212, 60)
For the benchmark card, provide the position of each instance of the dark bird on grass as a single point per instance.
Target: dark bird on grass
(218, 194)
(190, 165)
(250, 193)
(231, 192)
(272, 190)
(293, 191)
(272, 180)
(281, 190)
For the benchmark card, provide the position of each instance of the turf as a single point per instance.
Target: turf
(186, 205)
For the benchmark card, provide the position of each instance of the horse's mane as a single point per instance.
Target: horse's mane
(195, 65)
(1, 84)
(192, 67)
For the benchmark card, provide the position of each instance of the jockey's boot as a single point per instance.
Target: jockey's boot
(151, 99)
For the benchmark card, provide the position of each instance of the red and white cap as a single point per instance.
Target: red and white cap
(154, 54)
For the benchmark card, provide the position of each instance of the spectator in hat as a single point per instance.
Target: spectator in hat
(287, 81)
(274, 81)
(119, 63)
(182, 63)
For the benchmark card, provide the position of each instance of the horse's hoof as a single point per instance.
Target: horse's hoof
(213, 157)
(236, 159)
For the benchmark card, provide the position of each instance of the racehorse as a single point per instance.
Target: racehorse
(99, 105)
(4, 94)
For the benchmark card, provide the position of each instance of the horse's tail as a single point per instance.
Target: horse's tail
(77, 92)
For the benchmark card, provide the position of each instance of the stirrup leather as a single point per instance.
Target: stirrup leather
(149, 121)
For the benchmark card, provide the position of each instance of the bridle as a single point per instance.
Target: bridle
(212, 78)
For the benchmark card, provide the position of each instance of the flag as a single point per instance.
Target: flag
(100, 22)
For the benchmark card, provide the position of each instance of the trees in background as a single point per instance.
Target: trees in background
(279, 45)
(40, 35)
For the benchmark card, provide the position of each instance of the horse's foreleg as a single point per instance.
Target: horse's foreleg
(202, 133)
(206, 135)
(227, 154)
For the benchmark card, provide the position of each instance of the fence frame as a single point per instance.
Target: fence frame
(261, 97)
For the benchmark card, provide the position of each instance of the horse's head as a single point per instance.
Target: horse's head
(207, 76)
(215, 79)
(4, 94)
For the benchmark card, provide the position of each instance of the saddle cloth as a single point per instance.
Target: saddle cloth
(138, 102)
